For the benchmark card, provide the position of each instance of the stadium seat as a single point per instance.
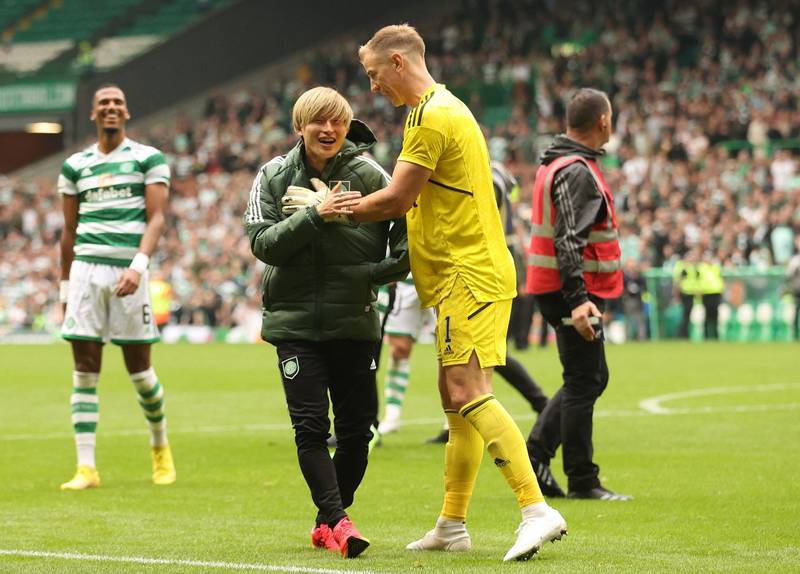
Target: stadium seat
(785, 331)
(696, 321)
(26, 57)
(111, 52)
(764, 314)
(745, 316)
(724, 320)
(615, 332)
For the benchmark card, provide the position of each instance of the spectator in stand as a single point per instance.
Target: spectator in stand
(632, 301)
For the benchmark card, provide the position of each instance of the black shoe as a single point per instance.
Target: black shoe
(547, 482)
(598, 493)
(440, 438)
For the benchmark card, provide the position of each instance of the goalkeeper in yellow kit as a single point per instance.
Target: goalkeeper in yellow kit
(462, 268)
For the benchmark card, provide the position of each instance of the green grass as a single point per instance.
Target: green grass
(715, 485)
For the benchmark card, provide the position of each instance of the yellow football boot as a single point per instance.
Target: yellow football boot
(85, 477)
(163, 465)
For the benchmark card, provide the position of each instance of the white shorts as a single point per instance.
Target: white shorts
(95, 313)
(407, 318)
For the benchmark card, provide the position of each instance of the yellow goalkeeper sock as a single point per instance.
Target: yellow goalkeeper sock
(462, 459)
(506, 446)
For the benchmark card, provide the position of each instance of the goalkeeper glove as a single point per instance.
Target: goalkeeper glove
(298, 198)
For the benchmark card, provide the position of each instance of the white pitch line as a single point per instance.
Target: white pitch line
(654, 405)
(263, 427)
(734, 409)
(647, 407)
(175, 562)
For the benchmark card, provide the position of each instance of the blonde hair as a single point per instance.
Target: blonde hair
(320, 102)
(400, 38)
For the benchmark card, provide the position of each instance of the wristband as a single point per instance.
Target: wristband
(140, 263)
(63, 290)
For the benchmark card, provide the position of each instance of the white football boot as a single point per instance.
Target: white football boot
(542, 524)
(448, 536)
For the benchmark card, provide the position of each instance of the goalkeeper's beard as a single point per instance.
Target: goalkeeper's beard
(110, 131)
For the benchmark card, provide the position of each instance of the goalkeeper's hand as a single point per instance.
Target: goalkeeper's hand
(297, 198)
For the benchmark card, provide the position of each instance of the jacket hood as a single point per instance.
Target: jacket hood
(360, 135)
(562, 145)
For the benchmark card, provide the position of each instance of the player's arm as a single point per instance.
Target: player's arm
(155, 200)
(579, 204)
(70, 208)
(69, 205)
(275, 238)
(395, 266)
(423, 145)
(391, 202)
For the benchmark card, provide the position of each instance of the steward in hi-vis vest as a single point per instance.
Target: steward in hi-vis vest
(573, 267)
(584, 256)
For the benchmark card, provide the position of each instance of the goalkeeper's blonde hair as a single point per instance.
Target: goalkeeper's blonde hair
(400, 38)
(320, 103)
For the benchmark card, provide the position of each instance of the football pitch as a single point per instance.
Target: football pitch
(706, 437)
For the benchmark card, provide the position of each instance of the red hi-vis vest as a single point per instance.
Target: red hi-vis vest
(602, 270)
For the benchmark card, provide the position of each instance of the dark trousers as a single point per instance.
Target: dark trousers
(711, 303)
(519, 324)
(521, 380)
(519, 327)
(687, 302)
(567, 419)
(345, 370)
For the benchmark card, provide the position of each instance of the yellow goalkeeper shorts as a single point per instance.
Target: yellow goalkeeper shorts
(464, 325)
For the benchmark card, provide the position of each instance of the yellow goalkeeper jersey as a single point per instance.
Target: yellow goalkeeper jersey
(454, 228)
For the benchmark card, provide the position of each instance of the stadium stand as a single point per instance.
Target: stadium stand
(12, 11)
(112, 52)
(105, 33)
(704, 155)
(28, 57)
(72, 19)
(169, 17)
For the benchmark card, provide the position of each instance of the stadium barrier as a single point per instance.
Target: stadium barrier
(754, 306)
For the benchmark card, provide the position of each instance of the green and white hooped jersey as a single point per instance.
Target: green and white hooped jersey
(111, 208)
(383, 295)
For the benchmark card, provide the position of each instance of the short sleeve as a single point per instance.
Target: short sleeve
(67, 179)
(423, 145)
(155, 169)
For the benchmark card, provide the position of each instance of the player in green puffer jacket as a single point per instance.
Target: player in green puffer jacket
(319, 301)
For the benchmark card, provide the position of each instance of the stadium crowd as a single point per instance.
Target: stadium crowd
(704, 156)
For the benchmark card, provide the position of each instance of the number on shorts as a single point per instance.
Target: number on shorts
(146, 314)
(447, 338)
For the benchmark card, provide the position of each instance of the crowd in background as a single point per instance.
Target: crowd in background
(705, 154)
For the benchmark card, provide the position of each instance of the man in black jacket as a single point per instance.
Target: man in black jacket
(573, 266)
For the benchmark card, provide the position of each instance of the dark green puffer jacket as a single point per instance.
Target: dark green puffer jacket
(321, 278)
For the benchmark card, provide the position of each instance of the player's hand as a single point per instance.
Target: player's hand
(63, 296)
(326, 209)
(298, 198)
(580, 319)
(128, 283)
(343, 203)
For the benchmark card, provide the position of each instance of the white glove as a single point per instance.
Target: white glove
(297, 198)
